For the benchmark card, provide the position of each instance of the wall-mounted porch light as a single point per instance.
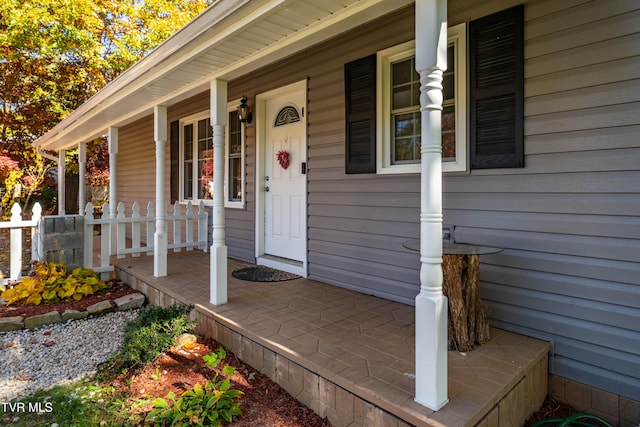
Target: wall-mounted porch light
(244, 111)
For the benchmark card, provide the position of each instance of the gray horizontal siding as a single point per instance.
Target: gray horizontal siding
(602, 95)
(601, 356)
(545, 275)
(589, 140)
(569, 221)
(547, 183)
(357, 223)
(135, 173)
(583, 246)
(348, 277)
(581, 312)
(608, 204)
(587, 276)
(594, 375)
(377, 250)
(620, 365)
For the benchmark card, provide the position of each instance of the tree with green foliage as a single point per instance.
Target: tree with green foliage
(55, 54)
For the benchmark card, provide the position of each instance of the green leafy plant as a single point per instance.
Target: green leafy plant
(157, 375)
(49, 283)
(149, 335)
(209, 405)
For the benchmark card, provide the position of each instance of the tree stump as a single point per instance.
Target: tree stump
(468, 315)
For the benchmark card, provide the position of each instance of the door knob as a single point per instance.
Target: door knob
(266, 189)
(266, 178)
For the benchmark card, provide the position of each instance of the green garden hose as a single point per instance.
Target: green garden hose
(572, 421)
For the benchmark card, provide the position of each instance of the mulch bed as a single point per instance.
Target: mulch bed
(116, 290)
(551, 409)
(264, 402)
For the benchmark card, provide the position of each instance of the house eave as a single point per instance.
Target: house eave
(224, 42)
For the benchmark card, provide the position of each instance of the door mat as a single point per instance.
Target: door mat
(260, 273)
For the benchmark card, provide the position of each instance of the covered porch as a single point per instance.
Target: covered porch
(348, 356)
(197, 60)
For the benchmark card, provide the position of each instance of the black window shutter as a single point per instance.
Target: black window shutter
(496, 50)
(360, 113)
(174, 137)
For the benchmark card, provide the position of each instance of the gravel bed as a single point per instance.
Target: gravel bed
(37, 359)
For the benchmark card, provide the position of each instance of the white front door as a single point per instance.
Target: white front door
(282, 180)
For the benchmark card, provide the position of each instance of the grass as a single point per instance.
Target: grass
(80, 404)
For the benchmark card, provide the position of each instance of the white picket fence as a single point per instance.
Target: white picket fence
(121, 235)
(16, 224)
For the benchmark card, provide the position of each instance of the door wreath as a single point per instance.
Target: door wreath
(283, 159)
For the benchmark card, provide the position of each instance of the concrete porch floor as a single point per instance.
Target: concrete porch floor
(348, 356)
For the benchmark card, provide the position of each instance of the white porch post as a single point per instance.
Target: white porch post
(82, 166)
(112, 136)
(160, 236)
(431, 304)
(218, 268)
(62, 182)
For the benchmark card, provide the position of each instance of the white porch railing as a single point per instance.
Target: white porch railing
(16, 224)
(193, 223)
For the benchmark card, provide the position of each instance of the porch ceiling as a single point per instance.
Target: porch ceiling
(229, 39)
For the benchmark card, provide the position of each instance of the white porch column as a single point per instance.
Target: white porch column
(112, 137)
(160, 236)
(82, 166)
(431, 304)
(218, 268)
(62, 182)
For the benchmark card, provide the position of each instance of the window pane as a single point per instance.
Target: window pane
(204, 129)
(188, 142)
(449, 108)
(405, 84)
(234, 160)
(205, 178)
(415, 91)
(402, 97)
(406, 141)
(235, 134)
(205, 160)
(187, 165)
(448, 80)
(401, 71)
(235, 172)
(407, 124)
(188, 180)
(449, 133)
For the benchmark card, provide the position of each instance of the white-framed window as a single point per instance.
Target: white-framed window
(234, 153)
(398, 111)
(197, 159)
